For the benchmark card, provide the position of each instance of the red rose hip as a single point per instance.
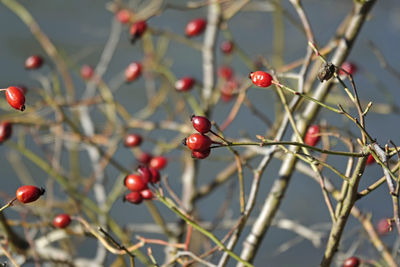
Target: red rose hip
(226, 47)
(351, 262)
(201, 154)
(137, 30)
(133, 71)
(5, 131)
(145, 158)
(61, 220)
(123, 16)
(15, 97)
(29, 193)
(370, 159)
(261, 78)
(132, 140)
(350, 67)
(33, 62)
(87, 72)
(133, 197)
(158, 163)
(195, 27)
(135, 182)
(146, 194)
(155, 175)
(184, 84)
(201, 124)
(225, 72)
(198, 142)
(312, 135)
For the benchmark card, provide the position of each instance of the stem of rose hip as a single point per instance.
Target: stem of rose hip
(8, 204)
(288, 143)
(220, 137)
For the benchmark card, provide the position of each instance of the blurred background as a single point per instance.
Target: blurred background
(80, 30)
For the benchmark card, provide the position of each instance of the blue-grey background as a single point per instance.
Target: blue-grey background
(80, 29)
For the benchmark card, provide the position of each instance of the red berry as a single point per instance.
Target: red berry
(384, 226)
(155, 175)
(123, 16)
(5, 131)
(61, 220)
(147, 194)
(33, 62)
(351, 262)
(145, 158)
(195, 27)
(137, 29)
(198, 142)
(135, 182)
(227, 90)
(226, 47)
(350, 67)
(370, 159)
(133, 71)
(201, 154)
(15, 97)
(132, 140)
(29, 193)
(184, 84)
(261, 78)
(225, 72)
(312, 136)
(158, 163)
(201, 124)
(133, 197)
(87, 72)
(146, 174)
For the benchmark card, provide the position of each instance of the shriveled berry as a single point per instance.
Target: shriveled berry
(133, 71)
(132, 140)
(312, 135)
(87, 72)
(33, 62)
(5, 131)
(195, 27)
(123, 16)
(370, 159)
(201, 124)
(225, 72)
(351, 262)
(226, 47)
(158, 162)
(198, 142)
(350, 67)
(145, 158)
(61, 220)
(29, 193)
(147, 194)
(261, 78)
(201, 154)
(155, 175)
(137, 30)
(146, 174)
(135, 182)
(184, 84)
(15, 97)
(133, 197)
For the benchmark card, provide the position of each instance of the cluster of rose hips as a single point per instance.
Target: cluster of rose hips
(138, 184)
(199, 143)
(148, 173)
